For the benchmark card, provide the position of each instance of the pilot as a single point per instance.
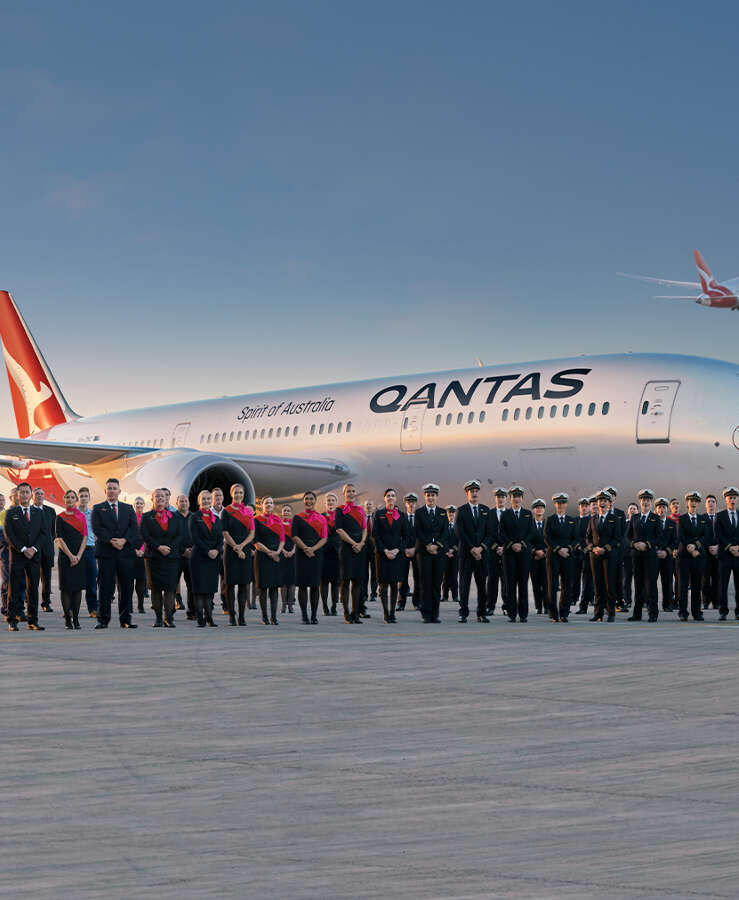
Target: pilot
(473, 535)
(450, 584)
(411, 560)
(666, 546)
(691, 535)
(604, 539)
(710, 573)
(727, 533)
(582, 591)
(643, 535)
(431, 530)
(538, 571)
(496, 574)
(517, 534)
(561, 537)
(631, 510)
(622, 547)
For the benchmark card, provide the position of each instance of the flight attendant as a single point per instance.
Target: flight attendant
(70, 529)
(560, 535)
(390, 536)
(643, 538)
(331, 574)
(47, 551)
(582, 579)
(351, 527)
(517, 534)
(237, 521)
(217, 508)
(139, 565)
(711, 581)
(25, 533)
(623, 548)
(269, 539)
(309, 531)
(287, 562)
(631, 510)
(183, 511)
(206, 535)
(727, 533)
(116, 537)
(496, 575)
(162, 532)
(450, 584)
(369, 576)
(538, 571)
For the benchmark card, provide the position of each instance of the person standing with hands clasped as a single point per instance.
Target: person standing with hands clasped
(206, 535)
(309, 533)
(351, 527)
(727, 534)
(431, 529)
(269, 539)
(116, 536)
(70, 528)
(238, 567)
(25, 532)
(473, 531)
(163, 533)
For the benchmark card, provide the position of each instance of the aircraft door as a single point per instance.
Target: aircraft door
(655, 412)
(179, 435)
(411, 431)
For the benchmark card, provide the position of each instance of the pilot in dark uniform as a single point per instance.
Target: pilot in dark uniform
(727, 532)
(666, 546)
(561, 537)
(431, 530)
(450, 584)
(472, 527)
(517, 534)
(711, 581)
(411, 557)
(621, 551)
(604, 539)
(582, 591)
(643, 535)
(496, 574)
(538, 572)
(691, 535)
(631, 510)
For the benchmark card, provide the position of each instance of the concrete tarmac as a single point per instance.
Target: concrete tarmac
(334, 761)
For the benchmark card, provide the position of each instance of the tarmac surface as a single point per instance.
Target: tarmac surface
(532, 761)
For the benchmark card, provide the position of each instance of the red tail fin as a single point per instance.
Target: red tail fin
(711, 288)
(37, 401)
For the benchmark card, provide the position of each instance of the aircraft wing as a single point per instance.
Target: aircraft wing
(668, 281)
(67, 453)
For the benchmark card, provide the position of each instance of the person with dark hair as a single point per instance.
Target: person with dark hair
(666, 546)
(727, 534)
(431, 531)
(139, 564)
(4, 561)
(47, 549)
(450, 582)
(206, 535)
(162, 532)
(711, 581)
(309, 532)
(116, 537)
(604, 540)
(287, 562)
(237, 520)
(643, 533)
(70, 528)
(330, 574)
(183, 511)
(391, 535)
(560, 535)
(25, 532)
(351, 526)
(88, 559)
(473, 526)
(269, 539)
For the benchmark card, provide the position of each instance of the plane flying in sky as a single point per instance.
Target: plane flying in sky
(710, 292)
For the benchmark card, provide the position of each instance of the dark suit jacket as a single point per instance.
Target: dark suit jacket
(538, 541)
(105, 526)
(431, 531)
(47, 551)
(517, 530)
(621, 519)
(471, 533)
(667, 535)
(687, 533)
(649, 532)
(452, 541)
(19, 532)
(607, 535)
(727, 536)
(581, 529)
(390, 537)
(154, 536)
(494, 540)
(557, 535)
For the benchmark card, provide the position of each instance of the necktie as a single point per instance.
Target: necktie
(517, 513)
(114, 507)
(602, 519)
(538, 525)
(561, 520)
(474, 513)
(431, 513)
(28, 513)
(692, 521)
(733, 519)
(411, 517)
(644, 520)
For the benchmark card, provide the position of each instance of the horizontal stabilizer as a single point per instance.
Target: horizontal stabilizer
(675, 297)
(667, 281)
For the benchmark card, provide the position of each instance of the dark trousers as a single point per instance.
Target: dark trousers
(583, 591)
(163, 603)
(711, 582)
(91, 579)
(24, 579)
(538, 575)
(666, 573)
(619, 578)
(470, 568)
(629, 576)
(691, 576)
(450, 584)
(605, 570)
(644, 567)
(496, 575)
(560, 573)
(410, 565)
(47, 564)
(369, 579)
(728, 565)
(517, 567)
(203, 606)
(111, 569)
(4, 578)
(432, 573)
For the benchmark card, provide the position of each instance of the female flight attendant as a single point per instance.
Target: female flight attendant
(71, 539)
(139, 566)
(287, 563)
(351, 527)
(269, 539)
(238, 566)
(163, 534)
(391, 535)
(330, 575)
(206, 535)
(310, 533)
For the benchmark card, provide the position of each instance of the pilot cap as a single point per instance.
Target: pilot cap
(500, 492)
(693, 495)
(430, 488)
(515, 490)
(611, 490)
(538, 502)
(472, 485)
(561, 497)
(594, 498)
(731, 492)
(603, 495)
(411, 497)
(451, 508)
(646, 493)
(583, 501)
(661, 501)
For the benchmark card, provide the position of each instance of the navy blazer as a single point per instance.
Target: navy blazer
(431, 530)
(519, 530)
(688, 533)
(388, 536)
(559, 535)
(47, 551)
(647, 532)
(471, 533)
(105, 526)
(20, 532)
(606, 534)
(667, 534)
(727, 536)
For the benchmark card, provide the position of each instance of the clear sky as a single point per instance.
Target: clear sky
(220, 198)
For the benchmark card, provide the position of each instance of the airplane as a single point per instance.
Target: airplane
(667, 422)
(713, 294)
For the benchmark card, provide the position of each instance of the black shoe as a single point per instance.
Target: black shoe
(634, 619)
(314, 620)
(722, 617)
(129, 625)
(333, 610)
(483, 619)
(436, 621)
(538, 612)
(305, 620)
(611, 619)
(597, 619)
(212, 623)
(265, 620)
(201, 623)
(523, 618)
(100, 626)
(581, 612)
(157, 624)
(46, 607)
(34, 626)
(652, 619)
(365, 615)
(563, 619)
(190, 616)
(462, 619)
(427, 621)
(168, 624)
(511, 618)
(683, 617)
(140, 608)
(76, 624)
(242, 620)
(12, 626)
(699, 618)
(67, 623)
(273, 622)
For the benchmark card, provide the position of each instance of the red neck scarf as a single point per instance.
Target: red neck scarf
(274, 523)
(208, 517)
(243, 513)
(138, 517)
(288, 526)
(316, 522)
(356, 512)
(76, 519)
(163, 518)
(392, 515)
(331, 518)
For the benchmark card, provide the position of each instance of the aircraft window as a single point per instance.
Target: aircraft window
(261, 434)
(438, 420)
(459, 418)
(215, 439)
(578, 409)
(320, 428)
(338, 427)
(516, 414)
(246, 435)
(552, 412)
(208, 438)
(271, 432)
(644, 407)
(238, 436)
(449, 419)
(295, 430)
(482, 416)
(591, 409)
(606, 408)
(279, 432)
(566, 410)
(330, 427)
(223, 436)
(313, 429)
(348, 426)
(405, 422)
(470, 418)
(540, 414)
(254, 435)
(504, 417)
(231, 437)
(529, 410)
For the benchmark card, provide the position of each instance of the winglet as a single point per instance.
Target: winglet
(38, 402)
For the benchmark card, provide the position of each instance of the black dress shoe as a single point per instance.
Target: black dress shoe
(190, 617)
(100, 626)
(169, 624)
(652, 619)
(483, 619)
(563, 619)
(157, 624)
(212, 623)
(462, 619)
(201, 624)
(305, 621)
(581, 612)
(634, 619)
(314, 620)
(273, 622)
(12, 626)
(129, 625)
(699, 618)
(436, 621)
(611, 619)
(722, 618)
(597, 619)
(523, 619)
(34, 626)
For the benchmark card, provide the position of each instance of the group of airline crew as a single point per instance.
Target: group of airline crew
(350, 552)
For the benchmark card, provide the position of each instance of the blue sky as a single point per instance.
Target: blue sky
(211, 199)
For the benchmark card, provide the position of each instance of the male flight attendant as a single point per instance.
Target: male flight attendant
(471, 525)
(4, 562)
(560, 534)
(496, 575)
(431, 529)
(116, 536)
(47, 549)
(727, 533)
(582, 590)
(451, 572)
(25, 532)
(517, 535)
(88, 559)
(643, 535)
(622, 548)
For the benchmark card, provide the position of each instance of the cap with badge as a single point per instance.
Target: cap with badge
(430, 488)
(410, 497)
(500, 492)
(731, 492)
(694, 495)
(583, 501)
(645, 494)
(515, 490)
(561, 497)
(661, 502)
(611, 490)
(594, 498)
(603, 495)
(538, 503)
(451, 508)
(472, 485)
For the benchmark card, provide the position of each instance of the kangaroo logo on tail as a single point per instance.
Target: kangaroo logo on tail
(711, 288)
